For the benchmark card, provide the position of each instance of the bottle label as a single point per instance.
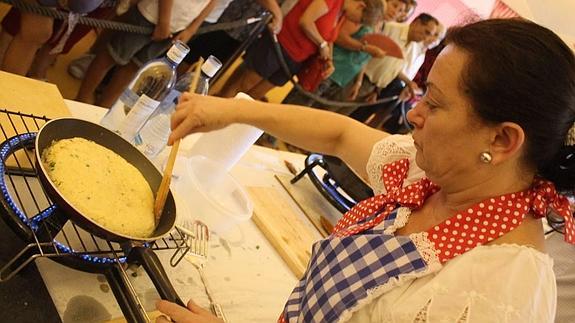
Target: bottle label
(129, 98)
(140, 112)
(116, 115)
(154, 135)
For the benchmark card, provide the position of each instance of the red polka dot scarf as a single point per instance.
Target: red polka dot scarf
(477, 225)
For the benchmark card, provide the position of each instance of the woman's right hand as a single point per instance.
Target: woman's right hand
(198, 113)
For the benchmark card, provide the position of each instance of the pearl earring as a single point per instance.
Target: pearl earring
(485, 157)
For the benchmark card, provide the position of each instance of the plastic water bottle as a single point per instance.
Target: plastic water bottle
(153, 137)
(150, 86)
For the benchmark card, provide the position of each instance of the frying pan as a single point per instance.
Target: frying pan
(65, 128)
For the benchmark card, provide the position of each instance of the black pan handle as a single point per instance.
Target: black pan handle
(151, 263)
(126, 299)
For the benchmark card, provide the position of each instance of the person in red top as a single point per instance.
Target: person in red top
(308, 28)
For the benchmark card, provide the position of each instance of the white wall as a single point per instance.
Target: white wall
(556, 15)
(481, 7)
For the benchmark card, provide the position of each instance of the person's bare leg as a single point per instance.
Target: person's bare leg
(5, 40)
(259, 91)
(96, 72)
(242, 80)
(101, 41)
(231, 83)
(34, 31)
(118, 83)
(42, 63)
(182, 68)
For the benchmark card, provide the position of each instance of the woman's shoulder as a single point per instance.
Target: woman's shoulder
(503, 282)
(388, 150)
(487, 282)
(504, 256)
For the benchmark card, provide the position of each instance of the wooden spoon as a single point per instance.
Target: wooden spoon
(165, 184)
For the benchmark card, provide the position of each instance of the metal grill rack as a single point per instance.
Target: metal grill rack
(28, 211)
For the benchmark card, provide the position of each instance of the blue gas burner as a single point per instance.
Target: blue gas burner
(16, 160)
(46, 231)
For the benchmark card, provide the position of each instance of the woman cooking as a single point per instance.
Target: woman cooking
(454, 232)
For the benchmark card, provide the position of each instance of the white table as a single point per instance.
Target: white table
(247, 275)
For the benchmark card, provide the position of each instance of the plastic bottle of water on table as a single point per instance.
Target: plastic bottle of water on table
(153, 137)
(151, 85)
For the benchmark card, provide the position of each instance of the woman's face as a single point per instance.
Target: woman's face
(354, 10)
(448, 135)
(394, 10)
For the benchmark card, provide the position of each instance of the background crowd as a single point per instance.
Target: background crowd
(335, 30)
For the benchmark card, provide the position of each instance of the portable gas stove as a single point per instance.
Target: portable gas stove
(339, 185)
(45, 232)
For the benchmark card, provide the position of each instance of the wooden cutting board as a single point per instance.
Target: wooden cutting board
(317, 209)
(283, 227)
(22, 94)
(27, 96)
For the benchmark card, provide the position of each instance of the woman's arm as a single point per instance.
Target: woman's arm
(312, 129)
(314, 11)
(345, 40)
(186, 34)
(162, 30)
(357, 84)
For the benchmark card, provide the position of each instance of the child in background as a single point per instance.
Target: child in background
(24, 33)
(49, 52)
(171, 19)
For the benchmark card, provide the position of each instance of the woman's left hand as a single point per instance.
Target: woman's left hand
(353, 93)
(161, 32)
(192, 314)
(328, 70)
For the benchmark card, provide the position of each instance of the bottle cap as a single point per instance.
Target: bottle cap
(211, 66)
(178, 51)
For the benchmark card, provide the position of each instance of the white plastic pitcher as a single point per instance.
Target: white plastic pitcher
(212, 195)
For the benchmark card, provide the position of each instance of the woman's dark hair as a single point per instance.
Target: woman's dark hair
(521, 72)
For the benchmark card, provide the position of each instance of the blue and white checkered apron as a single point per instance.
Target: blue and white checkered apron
(343, 270)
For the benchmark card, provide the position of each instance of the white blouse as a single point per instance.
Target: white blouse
(184, 12)
(495, 283)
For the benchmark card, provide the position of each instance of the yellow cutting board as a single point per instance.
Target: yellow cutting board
(22, 94)
(283, 227)
(27, 96)
(316, 207)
